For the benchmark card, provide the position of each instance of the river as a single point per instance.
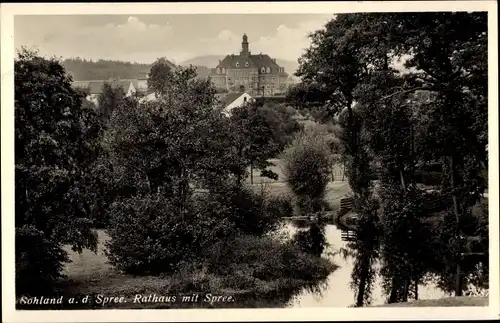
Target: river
(337, 292)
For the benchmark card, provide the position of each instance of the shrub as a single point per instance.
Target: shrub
(149, 235)
(268, 259)
(249, 212)
(279, 206)
(38, 261)
(307, 165)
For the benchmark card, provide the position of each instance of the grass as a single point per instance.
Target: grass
(89, 273)
(443, 302)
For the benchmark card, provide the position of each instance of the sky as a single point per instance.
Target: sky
(179, 37)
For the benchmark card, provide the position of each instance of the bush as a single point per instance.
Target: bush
(279, 206)
(249, 212)
(39, 261)
(150, 235)
(267, 259)
(307, 165)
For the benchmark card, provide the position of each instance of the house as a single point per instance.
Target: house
(95, 88)
(142, 81)
(257, 74)
(234, 100)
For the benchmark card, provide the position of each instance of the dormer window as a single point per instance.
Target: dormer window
(218, 70)
(246, 64)
(268, 70)
(237, 64)
(223, 70)
(263, 70)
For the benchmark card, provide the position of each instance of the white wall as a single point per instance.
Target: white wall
(238, 102)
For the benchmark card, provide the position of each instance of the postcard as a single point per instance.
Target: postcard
(249, 161)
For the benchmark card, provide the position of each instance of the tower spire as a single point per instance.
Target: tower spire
(244, 45)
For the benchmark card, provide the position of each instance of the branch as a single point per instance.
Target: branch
(407, 91)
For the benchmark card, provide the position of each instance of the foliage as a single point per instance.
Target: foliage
(55, 147)
(394, 124)
(109, 99)
(267, 259)
(159, 160)
(254, 135)
(160, 75)
(307, 165)
(82, 69)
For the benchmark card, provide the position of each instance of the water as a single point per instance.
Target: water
(337, 292)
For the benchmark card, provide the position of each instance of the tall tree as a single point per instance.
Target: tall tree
(448, 51)
(341, 56)
(56, 140)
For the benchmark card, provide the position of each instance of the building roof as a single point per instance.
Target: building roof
(231, 97)
(169, 64)
(254, 61)
(95, 87)
(247, 60)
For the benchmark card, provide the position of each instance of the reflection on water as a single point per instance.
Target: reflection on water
(336, 292)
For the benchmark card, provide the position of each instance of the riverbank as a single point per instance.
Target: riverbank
(443, 302)
(265, 272)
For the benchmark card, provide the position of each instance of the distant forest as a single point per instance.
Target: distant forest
(85, 70)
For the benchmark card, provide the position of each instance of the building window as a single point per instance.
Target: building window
(246, 64)
(245, 99)
(237, 64)
(268, 70)
(263, 70)
(218, 70)
(223, 70)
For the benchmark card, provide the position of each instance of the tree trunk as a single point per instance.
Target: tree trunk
(458, 283)
(406, 289)
(416, 289)
(251, 173)
(393, 297)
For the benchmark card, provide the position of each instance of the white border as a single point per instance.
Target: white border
(7, 118)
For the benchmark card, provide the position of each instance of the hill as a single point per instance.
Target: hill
(87, 70)
(211, 61)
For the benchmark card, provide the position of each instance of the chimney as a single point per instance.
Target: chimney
(274, 60)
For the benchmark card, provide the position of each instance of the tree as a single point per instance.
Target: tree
(160, 159)
(56, 140)
(449, 54)
(109, 99)
(254, 137)
(307, 163)
(447, 57)
(160, 74)
(341, 56)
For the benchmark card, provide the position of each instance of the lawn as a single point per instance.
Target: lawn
(443, 302)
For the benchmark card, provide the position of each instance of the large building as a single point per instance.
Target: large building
(256, 74)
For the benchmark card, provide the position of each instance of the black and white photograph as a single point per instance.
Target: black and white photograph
(211, 157)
